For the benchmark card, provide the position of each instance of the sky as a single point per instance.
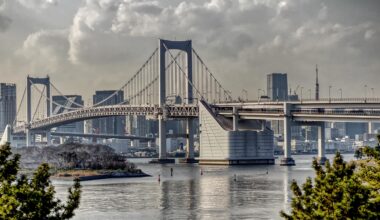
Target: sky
(88, 45)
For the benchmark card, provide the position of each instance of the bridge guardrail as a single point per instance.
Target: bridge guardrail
(335, 112)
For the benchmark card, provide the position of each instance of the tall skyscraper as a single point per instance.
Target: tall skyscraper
(77, 127)
(316, 83)
(109, 125)
(277, 89)
(277, 86)
(7, 104)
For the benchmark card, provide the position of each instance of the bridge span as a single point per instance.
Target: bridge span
(173, 86)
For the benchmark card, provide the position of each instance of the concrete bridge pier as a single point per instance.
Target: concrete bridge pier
(189, 142)
(287, 160)
(162, 138)
(162, 157)
(48, 138)
(29, 136)
(321, 143)
(235, 118)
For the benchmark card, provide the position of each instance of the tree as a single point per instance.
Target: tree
(369, 174)
(337, 192)
(23, 198)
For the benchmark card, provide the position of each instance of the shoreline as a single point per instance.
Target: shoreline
(87, 175)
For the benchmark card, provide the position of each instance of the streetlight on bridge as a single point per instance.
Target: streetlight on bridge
(258, 94)
(341, 93)
(365, 92)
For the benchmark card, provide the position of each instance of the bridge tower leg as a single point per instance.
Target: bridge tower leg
(164, 46)
(287, 160)
(28, 110)
(321, 143)
(29, 81)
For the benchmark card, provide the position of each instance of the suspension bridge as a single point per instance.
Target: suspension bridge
(231, 132)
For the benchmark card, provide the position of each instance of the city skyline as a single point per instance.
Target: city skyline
(251, 39)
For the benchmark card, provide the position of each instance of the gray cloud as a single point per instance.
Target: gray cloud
(4, 23)
(236, 38)
(38, 4)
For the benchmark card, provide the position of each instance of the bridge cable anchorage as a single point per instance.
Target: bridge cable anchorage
(212, 75)
(19, 107)
(38, 104)
(53, 102)
(184, 73)
(65, 97)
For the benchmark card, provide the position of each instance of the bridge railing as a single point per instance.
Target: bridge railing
(336, 112)
(321, 100)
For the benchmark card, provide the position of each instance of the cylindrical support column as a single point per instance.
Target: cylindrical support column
(190, 139)
(287, 160)
(28, 138)
(321, 143)
(61, 140)
(287, 138)
(370, 128)
(162, 138)
(235, 118)
(48, 138)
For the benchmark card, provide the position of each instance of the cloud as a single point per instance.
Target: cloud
(45, 50)
(369, 34)
(4, 23)
(38, 4)
(247, 37)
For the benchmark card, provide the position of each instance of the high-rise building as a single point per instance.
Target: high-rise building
(277, 86)
(7, 104)
(277, 90)
(66, 104)
(110, 125)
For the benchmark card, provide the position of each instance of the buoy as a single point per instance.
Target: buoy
(234, 177)
(171, 171)
(201, 172)
(159, 178)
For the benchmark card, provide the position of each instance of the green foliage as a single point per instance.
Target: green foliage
(358, 153)
(369, 174)
(337, 192)
(23, 198)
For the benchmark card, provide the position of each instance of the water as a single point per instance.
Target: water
(190, 195)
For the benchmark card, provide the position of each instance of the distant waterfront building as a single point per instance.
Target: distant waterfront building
(353, 128)
(277, 86)
(331, 133)
(69, 103)
(7, 104)
(137, 125)
(109, 125)
(311, 133)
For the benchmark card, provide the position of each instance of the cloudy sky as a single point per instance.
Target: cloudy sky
(88, 44)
